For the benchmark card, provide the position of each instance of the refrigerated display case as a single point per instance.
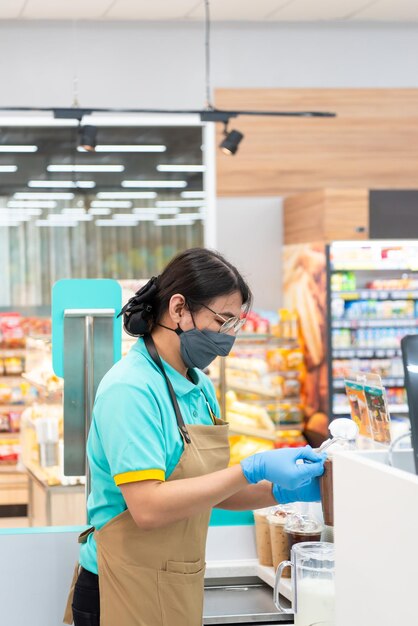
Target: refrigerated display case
(355, 300)
(373, 303)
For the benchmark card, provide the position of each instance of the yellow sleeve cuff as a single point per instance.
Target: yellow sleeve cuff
(133, 477)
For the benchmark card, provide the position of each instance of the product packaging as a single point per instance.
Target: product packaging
(358, 405)
(368, 405)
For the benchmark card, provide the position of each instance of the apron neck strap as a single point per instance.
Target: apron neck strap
(152, 351)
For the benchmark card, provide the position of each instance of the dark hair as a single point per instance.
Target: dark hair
(199, 274)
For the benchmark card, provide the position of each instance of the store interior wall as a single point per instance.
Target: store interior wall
(161, 64)
(250, 234)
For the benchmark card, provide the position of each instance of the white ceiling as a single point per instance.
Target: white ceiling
(221, 10)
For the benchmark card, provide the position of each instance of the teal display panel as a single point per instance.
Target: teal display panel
(221, 517)
(83, 294)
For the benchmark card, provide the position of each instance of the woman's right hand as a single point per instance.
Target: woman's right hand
(290, 468)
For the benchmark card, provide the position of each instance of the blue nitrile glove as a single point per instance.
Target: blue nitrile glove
(307, 493)
(281, 468)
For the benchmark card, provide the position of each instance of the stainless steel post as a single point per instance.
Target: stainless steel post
(88, 355)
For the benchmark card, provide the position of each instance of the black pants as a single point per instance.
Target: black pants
(86, 601)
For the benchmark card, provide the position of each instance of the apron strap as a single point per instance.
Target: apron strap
(152, 351)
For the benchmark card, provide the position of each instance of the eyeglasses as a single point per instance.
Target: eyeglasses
(233, 323)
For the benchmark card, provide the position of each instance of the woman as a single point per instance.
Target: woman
(158, 454)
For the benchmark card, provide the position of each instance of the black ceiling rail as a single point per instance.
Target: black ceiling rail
(206, 115)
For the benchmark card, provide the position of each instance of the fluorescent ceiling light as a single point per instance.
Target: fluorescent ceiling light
(6, 148)
(8, 168)
(115, 195)
(15, 212)
(38, 120)
(193, 194)
(181, 168)
(85, 168)
(15, 215)
(33, 195)
(174, 222)
(156, 211)
(8, 223)
(127, 148)
(146, 218)
(174, 184)
(112, 204)
(100, 211)
(116, 223)
(186, 203)
(66, 184)
(51, 224)
(32, 204)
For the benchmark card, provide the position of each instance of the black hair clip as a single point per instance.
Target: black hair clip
(137, 311)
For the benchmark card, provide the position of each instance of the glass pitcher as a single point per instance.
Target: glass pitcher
(313, 586)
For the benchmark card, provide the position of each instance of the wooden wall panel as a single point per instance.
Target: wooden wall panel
(326, 215)
(346, 214)
(372, 144)
(303, 217)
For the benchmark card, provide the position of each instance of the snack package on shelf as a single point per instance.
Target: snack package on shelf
(241, 414)
(12, 336)
(9, 451)
(255, 323)
(243, 446)
(369, 406)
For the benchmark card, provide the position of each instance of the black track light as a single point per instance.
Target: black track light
(230, 143)
(88, 136)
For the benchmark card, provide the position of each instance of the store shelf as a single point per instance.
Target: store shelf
(262, 433)
(339, 383)
(13, 407)
(257, 337)
(8, 435)
(380, 323)
(259, 391)
(374, 294)
(366, 353)
(41, 386)
(253, 432)
(393, 408)
(5, 353)
(11, 378)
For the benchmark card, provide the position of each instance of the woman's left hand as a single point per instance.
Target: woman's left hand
(309, 492)
(290, 468)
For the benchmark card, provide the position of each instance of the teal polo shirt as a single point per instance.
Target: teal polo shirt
(134, 434)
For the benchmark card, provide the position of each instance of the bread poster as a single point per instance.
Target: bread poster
(305, 290)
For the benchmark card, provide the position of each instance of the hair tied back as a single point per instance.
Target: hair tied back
(137, 312)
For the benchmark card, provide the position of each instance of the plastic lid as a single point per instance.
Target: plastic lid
(280, 514)
(303, 524)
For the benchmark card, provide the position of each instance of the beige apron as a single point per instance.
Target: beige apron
(155, 577)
